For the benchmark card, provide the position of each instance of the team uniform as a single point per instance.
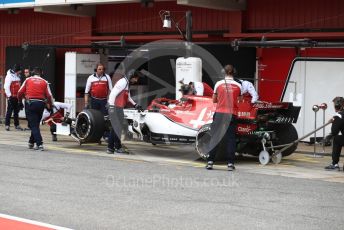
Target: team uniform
(338, 140)
(56, 115)
(98, 87)
(223, 127)
(118, 99)
(12, 86)
(37, 93)
(203, 89)
(248, 88)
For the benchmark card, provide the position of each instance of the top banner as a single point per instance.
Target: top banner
(15, 1)
(32, 3)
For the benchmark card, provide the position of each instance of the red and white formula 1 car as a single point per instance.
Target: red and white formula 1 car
(263, 127)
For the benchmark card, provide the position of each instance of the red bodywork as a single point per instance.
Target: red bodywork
(196, 111)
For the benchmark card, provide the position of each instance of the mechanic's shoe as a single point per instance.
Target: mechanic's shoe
(39, 147)
(332, 167)
(121, 151)
(54, 137)
(209, 165)
(231, 167)
(30, 145)
(110, 151)
(19, 128)
(7, 128)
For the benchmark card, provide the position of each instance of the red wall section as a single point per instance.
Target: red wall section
(39, 28)
(126, 18)
(294, 14)
(274, 65)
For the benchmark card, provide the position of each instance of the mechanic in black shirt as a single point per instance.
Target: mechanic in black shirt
(337, 126)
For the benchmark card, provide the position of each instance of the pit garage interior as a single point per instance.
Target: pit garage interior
(261, 38)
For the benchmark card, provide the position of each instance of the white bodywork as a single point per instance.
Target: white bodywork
(157, 123)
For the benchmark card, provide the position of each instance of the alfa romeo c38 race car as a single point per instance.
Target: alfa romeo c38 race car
(262, 127)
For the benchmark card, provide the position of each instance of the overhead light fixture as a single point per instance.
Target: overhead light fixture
(13, 11)
(147, 3)
(168, 20)
(167, 23)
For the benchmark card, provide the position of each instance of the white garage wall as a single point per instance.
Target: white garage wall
(312, 82)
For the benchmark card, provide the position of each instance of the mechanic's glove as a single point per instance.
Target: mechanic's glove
(66, 119)
(20, 105)
(328, 138)
(67, 115)
(110, 108)
(138, 107)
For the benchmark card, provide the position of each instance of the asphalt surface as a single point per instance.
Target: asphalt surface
(163, 187)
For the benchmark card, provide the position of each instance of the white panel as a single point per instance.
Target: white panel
(317, 81)
(49, 2)
(70, 81)
(187, 69)
(86, 63)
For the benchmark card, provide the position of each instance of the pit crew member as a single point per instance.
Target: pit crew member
(223, 127)
(55, 114)
(98, 87)
(37, 94)
(11, 86)
(118, 99)
(337, 126)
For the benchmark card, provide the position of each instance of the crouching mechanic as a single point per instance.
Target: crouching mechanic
(337, 126)
(118, 99)
(37, 94)
(55, 114)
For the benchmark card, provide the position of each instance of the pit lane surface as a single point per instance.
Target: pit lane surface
(163, 187)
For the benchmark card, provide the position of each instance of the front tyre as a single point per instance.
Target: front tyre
(90, 126)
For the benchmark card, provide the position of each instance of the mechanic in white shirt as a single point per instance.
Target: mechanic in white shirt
(118, 99)
(12, 86)
(247, 87)
(98, 87)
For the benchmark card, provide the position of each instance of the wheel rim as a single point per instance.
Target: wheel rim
(264, 157)
(202, 142)
(83, 126)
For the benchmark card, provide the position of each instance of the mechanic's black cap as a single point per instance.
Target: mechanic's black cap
(16, 67)
(338, 103)
(133, 73)
(37, 71)
(185, 89)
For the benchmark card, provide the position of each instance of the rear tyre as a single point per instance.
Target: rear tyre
(203, 138)
(90, 126)
(203, 147)
(286, 133)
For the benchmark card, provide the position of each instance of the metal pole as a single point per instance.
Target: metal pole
(189, 26)
(315, 133)
(323, 140)
(323, 106)
(316, 108)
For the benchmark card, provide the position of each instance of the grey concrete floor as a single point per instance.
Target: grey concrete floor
(164, 187)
